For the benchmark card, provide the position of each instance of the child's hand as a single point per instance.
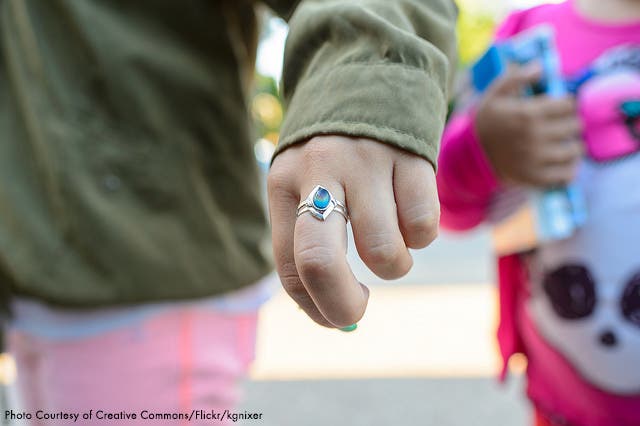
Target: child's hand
(532, 140)
(390, 212)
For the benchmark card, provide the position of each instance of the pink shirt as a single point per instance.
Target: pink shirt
(467, 186)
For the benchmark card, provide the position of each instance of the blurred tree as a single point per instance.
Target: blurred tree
(266, 108)
(475, 32)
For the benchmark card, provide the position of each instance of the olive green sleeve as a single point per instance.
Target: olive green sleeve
(369, 68)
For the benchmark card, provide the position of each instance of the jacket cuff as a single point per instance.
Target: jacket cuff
(393, 103)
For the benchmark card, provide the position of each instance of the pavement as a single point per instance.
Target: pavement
(387, 402)
(408, 331)
(424, 354)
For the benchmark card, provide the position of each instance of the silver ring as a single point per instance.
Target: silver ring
(320, 203)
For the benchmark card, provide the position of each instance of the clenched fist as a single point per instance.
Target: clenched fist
(393, 205)
(528, 140)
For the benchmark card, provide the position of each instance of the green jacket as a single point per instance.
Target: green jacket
(127, 172)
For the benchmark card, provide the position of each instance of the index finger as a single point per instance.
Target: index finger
(282, 210)
(320, 249)
(553, 107)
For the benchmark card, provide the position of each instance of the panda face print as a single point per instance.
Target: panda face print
(585, 290)
(571, 291)
(630, 303)
(593, 322)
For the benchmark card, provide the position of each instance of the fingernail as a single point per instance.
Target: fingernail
(349, 328)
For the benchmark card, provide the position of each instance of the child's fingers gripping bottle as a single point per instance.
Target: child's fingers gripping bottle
(551, 214)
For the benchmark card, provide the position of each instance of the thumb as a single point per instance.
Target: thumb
(516, 78)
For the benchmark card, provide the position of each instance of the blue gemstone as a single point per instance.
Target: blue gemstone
(321, 199)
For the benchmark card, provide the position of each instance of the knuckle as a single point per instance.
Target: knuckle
(563, 157)
(276, 180)
(289, 277)
(575, 124)
(537, 136)
(572, 154)
(295, 289)
(429, 236)
(569, 174)
(291, 283)
(531, 177)
(421, 226)
(381, 250)
(577, 149)
(317, 153)
(535, 161)
(568, 132)
(315, 261)
(525, 115)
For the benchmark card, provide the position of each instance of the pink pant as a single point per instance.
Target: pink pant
(171, 363)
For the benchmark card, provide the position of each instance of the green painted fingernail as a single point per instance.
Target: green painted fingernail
(349, 328)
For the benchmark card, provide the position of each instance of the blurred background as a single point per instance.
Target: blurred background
(425, 352)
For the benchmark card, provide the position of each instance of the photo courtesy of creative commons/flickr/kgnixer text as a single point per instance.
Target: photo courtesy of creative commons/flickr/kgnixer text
(77, 417)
